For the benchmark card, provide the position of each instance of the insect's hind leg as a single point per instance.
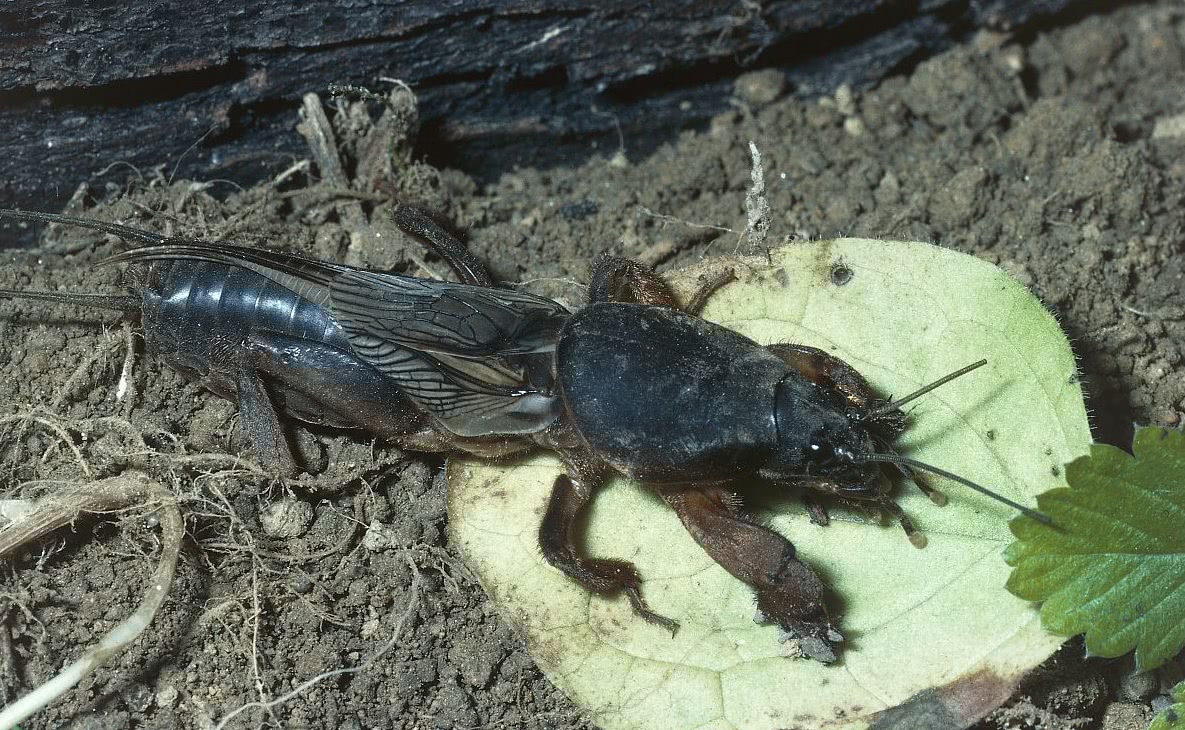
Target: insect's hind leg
(419, 224)
(316, 384)
(258, 417)
(569, 496)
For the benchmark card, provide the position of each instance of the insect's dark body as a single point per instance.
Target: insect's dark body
(190, 305)
(632, 383)
(731, 408)
(615, 362)
(276, 352)
(204, 319)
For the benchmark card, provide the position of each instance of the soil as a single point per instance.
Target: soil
(1058, 157)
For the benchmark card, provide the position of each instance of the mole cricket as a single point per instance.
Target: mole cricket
(632, 383)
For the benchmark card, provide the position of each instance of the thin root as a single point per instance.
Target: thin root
(84, 367)
(396, 633)
(106, 495)
(57, 428)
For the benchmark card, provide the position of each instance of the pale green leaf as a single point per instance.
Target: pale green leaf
(913, 619)
(1113, 564)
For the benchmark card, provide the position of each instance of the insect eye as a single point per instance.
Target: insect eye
(821, 453)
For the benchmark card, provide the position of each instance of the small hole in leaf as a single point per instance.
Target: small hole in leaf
(841, 274)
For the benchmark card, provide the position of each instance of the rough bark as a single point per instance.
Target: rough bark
(210, 88)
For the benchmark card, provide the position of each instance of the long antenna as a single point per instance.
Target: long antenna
(905, 461)
(886, 408)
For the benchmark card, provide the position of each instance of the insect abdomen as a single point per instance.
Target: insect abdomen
(195, 314)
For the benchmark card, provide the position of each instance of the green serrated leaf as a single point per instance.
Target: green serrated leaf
(1173, 716)
(1112, 566)
(915, 620)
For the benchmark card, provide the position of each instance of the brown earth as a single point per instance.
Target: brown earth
(1058, 157)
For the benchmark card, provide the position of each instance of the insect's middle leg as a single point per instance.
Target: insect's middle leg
(823, 368)
(617, 279)
(569, 496)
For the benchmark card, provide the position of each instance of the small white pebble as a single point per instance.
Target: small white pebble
(854, 126)
(369, 628)
(166, 696)
(286, 518)
(845, 103)
(379, 537)
(1173, 126)
(760, 88)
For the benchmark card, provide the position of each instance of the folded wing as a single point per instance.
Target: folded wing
(477, 358)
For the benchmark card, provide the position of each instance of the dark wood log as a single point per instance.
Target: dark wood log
(210, 89)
